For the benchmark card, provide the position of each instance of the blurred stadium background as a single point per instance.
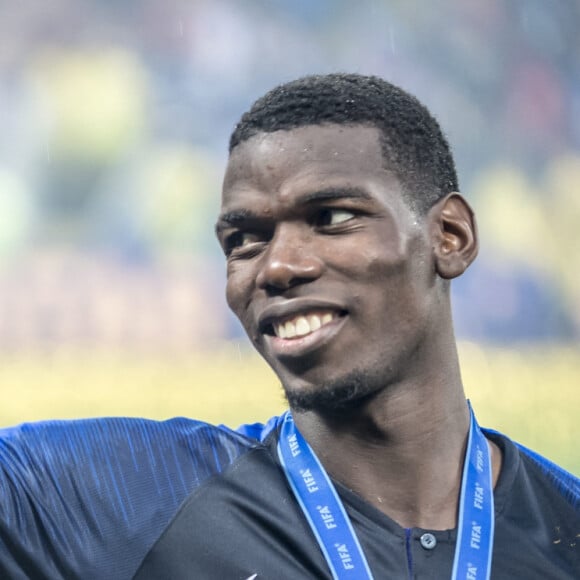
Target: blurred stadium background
(114, 122)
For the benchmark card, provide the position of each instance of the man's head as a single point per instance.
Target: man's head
(412, 142)
(339, 280)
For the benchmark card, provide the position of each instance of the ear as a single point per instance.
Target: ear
(454, 235)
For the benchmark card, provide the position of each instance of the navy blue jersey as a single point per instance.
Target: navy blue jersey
(180, 499)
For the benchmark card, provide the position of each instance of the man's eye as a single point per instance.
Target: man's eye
(240, 239)
(331, 217)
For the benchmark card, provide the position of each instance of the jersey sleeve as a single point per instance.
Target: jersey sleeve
(260, 431)
(88, 499)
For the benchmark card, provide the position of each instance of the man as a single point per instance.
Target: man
(342, 227)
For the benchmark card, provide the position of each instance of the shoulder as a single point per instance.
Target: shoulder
(538, 472)
(260, 431)
(537, 505)
(102, 486)
(118, 447)
(564, 483)
(112, 453)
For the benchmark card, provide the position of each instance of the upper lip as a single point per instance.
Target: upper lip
(293, 307)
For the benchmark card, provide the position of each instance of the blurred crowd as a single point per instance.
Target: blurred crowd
(115, 118)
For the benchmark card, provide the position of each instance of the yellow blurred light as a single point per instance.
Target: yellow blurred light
(511, 218)
(178, 196)
(96, 101)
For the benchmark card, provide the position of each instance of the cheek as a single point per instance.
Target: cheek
(388, 285)
(377, 267)
(383, 267)
(234, 288)
(391, 257)
(234, 293)
(238, 293)
(231, 297)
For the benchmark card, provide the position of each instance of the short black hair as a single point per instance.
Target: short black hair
(412, 141)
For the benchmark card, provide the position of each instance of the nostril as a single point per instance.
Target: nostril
(277, 275)
(283, 274)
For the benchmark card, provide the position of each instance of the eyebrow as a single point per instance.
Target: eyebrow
(331, 193)
(235, 217)
(243, 215)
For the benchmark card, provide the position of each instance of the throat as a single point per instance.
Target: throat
(414, 497)
(419, 488)
(411, 475)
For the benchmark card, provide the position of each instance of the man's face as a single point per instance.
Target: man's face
(329, 271)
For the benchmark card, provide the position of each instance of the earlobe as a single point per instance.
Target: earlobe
(454, 232)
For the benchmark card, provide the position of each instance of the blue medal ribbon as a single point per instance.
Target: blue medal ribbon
(321, 505)
(475, 526)
(331, 525)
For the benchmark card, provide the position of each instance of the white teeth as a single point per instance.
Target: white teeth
(290, 330)
(302, 325)
(280, 330)
(315, 323)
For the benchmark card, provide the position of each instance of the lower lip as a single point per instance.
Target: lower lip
(300, 346)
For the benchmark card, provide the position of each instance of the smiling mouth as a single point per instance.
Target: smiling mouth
(301, 325)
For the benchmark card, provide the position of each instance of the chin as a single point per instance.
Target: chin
(342, 394)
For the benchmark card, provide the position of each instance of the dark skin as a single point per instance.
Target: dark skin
(321, 243)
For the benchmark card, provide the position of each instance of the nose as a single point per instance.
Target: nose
(290, 260)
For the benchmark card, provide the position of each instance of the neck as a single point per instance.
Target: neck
(402, 451)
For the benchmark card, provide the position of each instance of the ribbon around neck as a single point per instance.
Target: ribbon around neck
(327, 517)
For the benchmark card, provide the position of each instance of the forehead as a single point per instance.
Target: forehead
(288, 162)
